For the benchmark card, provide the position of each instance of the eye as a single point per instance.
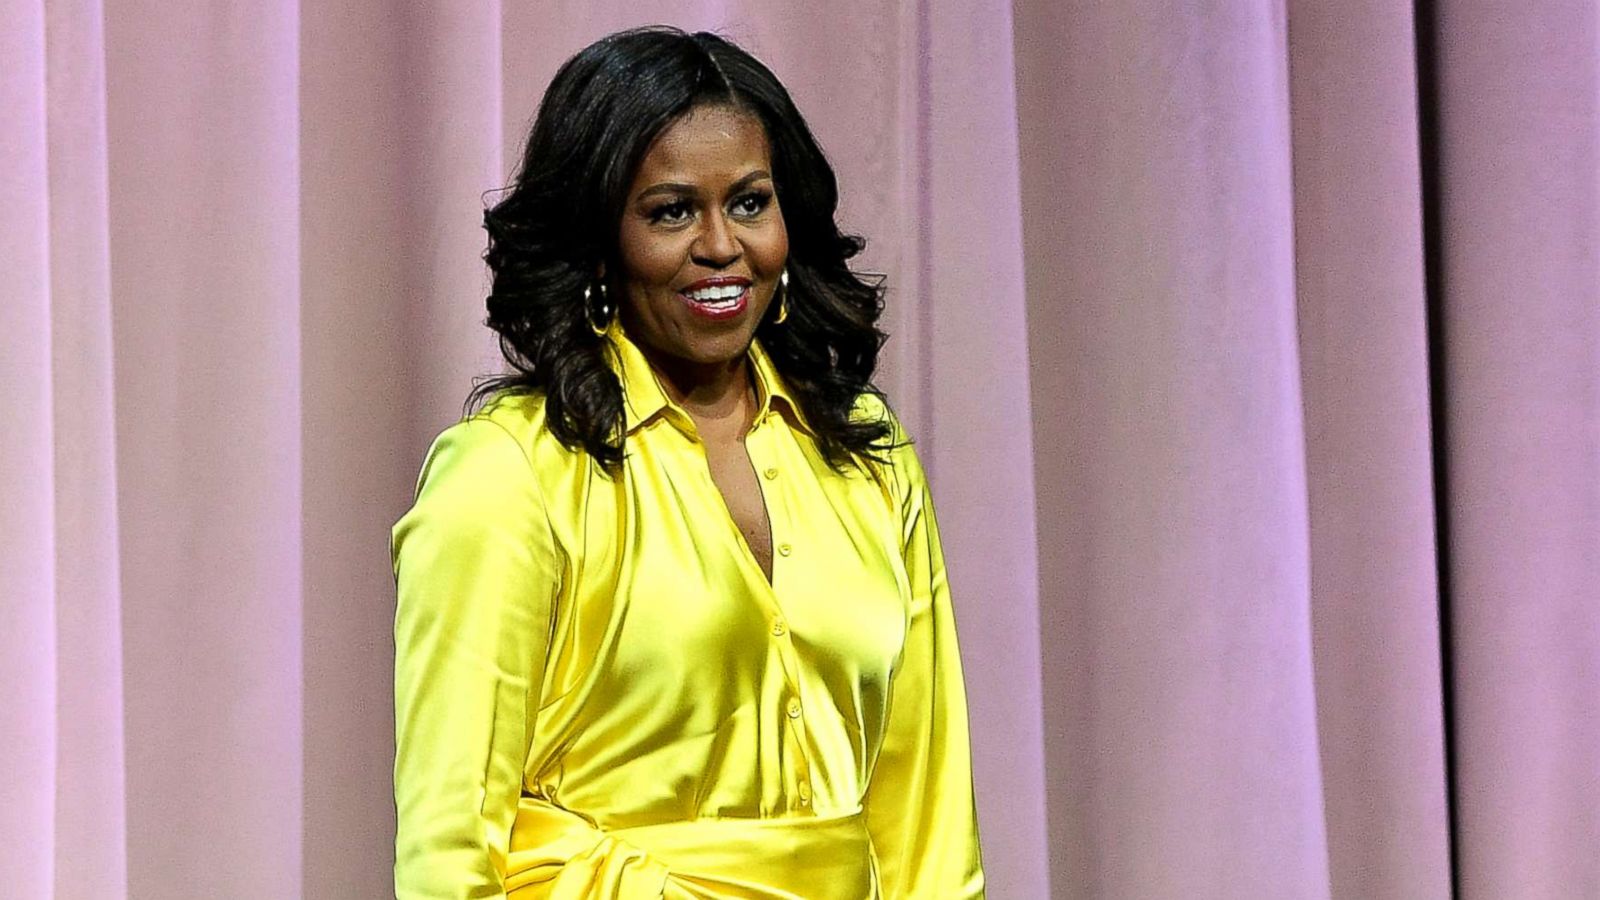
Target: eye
(670, 213)
(752, 204)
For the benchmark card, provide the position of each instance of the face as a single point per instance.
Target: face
(702, 241)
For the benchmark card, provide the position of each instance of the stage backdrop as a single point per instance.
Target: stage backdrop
(1254, 348)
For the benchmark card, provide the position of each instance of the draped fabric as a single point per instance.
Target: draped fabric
(1252, 348)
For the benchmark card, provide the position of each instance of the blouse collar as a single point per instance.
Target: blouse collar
(643, 397)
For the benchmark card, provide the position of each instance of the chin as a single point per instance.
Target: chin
(712, 341)
(711, 349)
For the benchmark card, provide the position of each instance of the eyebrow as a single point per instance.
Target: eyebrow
(678, 187)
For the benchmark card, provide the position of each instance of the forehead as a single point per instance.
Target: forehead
(706, 145)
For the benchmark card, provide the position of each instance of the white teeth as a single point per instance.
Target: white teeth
(721, 295)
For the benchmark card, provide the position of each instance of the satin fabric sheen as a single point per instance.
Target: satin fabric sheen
(599, 695)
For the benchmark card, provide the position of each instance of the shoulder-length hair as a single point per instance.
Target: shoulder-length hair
(559, 223)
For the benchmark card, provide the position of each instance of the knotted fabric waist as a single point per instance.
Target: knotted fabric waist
(558, 855)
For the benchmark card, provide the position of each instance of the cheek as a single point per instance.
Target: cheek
(647, 259)
(771, 248)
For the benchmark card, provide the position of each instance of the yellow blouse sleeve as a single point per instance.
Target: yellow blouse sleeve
(476, 572)
(919, 804)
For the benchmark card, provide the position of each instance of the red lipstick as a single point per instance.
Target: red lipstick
(719, 298)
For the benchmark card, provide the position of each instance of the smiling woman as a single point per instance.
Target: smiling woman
(673, 619)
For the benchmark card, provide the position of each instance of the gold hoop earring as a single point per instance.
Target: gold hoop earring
(783, 298)
(605, 311)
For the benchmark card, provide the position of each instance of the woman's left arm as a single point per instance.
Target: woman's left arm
(919, 805)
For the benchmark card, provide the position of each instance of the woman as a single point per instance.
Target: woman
(673, 618)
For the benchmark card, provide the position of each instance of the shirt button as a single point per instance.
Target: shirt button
(785, 549)
(778, 628)
(771, 473)
(794, 709)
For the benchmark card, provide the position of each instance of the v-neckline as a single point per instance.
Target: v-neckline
(766, 577)
(769, 579)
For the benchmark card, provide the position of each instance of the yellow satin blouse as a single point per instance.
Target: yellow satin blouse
(599, 695)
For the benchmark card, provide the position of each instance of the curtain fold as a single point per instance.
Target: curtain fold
(1360, 292)
(1518, 146)
(28, 688)
(91, 804)
(362, 230)
(1253, 349)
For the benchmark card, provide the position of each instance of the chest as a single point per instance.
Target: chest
(719, 571)
(733, 476)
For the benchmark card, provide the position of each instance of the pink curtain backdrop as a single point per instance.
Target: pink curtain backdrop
(1254, 349)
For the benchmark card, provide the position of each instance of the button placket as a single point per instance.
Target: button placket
(801, 768)
(759, 444)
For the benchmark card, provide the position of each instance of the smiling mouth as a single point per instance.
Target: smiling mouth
(719, 300)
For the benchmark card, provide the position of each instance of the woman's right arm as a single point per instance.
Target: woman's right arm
(477, 571)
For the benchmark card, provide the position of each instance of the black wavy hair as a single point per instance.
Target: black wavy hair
(558, 224)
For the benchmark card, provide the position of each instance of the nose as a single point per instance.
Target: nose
(716, 246)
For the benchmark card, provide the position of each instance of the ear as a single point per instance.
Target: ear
(600, 273)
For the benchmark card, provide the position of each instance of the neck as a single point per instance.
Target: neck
(708, 391)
